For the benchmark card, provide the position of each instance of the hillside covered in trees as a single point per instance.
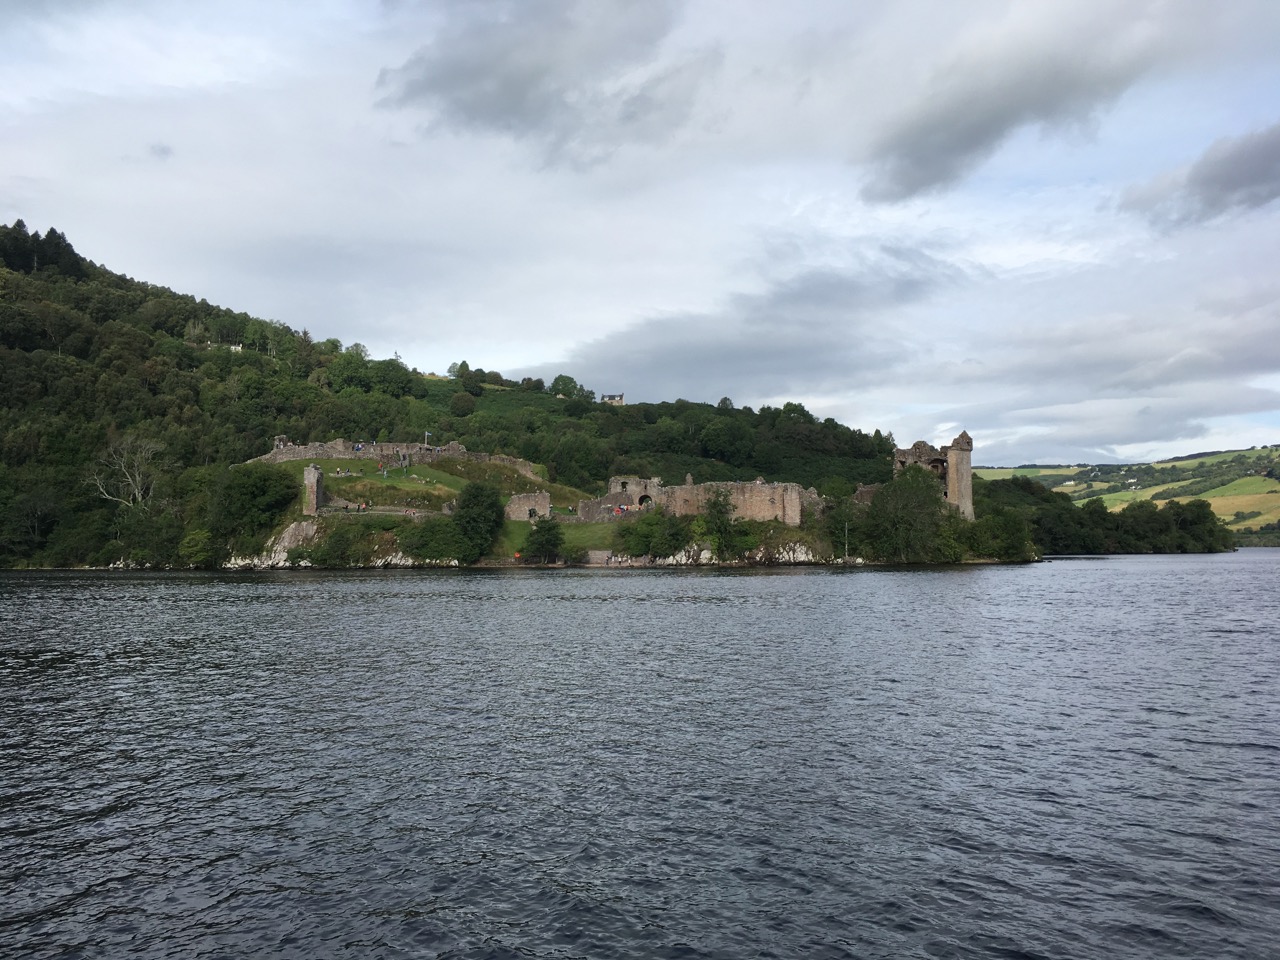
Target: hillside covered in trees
(126, 404)
(129, 412)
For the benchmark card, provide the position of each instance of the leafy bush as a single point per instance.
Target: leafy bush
(654, 534)
(545, 543)
(434, 538)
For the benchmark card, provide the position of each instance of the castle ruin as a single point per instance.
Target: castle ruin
(952, 465)
(753, 500)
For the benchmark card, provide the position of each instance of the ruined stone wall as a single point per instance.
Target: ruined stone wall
(866, 492)
(751, 500)
(521, 505)
(312, 490)
(924, 455)
(609, 507)
(637, 486)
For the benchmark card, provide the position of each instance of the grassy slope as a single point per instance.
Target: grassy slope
(1246, 493)
(577, 536)
(426, 487)
(1004, 473)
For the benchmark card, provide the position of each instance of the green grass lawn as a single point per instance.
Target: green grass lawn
(1115, 501)
(368, 470)
(577, 536)
(1258, 454)
(1244, 487)
(1004, 473)
(426, 486)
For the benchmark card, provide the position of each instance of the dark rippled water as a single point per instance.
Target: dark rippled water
(1076, 759)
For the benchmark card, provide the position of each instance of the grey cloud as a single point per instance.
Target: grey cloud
(1234, 174)
(1117, 380)
(160, 151)
(579, 78)
(983, 95)
(1129, 355)
(821, 331)
(1027, 428)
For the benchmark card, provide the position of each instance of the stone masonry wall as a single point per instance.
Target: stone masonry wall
(521, 504)
(312, 490)
(751, 500)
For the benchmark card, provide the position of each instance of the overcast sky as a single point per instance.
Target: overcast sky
(1053, 224)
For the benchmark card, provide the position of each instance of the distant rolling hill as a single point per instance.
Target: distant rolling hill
(1242, 486)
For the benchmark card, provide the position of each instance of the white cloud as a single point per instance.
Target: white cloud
(671, 199)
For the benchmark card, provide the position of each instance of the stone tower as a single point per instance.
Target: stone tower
(312, 490)
(960, 474)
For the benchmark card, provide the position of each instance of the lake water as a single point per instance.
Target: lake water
(1077, 759)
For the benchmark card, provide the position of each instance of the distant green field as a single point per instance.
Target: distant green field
(1261, 453)
(1004, 473)
(1161, 487)
(1245, 486)
(1115, 501)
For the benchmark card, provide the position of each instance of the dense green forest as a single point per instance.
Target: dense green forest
(129, 410)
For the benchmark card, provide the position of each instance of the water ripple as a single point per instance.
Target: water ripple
(1057, 761)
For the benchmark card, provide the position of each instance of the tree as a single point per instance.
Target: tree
(545, 543)
(350, 369)
(565, 386)
(248, 500)
(905, 517)
(843, 524)
(391, 377)
(478, 517)
(717, 519)
(462, 404)
(127, 471)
